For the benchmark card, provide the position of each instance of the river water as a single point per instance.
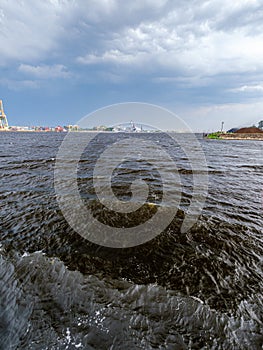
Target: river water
(198, 290)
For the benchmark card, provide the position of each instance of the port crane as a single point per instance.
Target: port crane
(3, 118)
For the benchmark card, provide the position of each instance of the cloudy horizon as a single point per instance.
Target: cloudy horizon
(63, 59)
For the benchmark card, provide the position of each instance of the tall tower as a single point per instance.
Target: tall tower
(3, 119)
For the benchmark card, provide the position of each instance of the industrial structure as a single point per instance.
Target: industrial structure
(3, 118)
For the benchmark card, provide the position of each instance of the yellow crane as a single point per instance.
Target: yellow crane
(3, 118)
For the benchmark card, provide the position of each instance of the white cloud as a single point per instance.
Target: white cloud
(248, 88)
(112, 56)
(190, 42)
(209, 37)
(18, 85)
(45, 71)
(183, 42)
(209, 118)
(31, 29)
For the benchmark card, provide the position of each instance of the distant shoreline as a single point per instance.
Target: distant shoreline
(247, 136)
(101, 131)
(235, 136)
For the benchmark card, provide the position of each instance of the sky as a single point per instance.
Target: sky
(63, 59)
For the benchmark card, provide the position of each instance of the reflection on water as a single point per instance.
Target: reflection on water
(200, 290)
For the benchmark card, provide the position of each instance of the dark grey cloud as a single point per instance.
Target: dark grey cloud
(207, 51)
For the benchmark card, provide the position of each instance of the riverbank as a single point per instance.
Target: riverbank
(239, 136)
(235, 136)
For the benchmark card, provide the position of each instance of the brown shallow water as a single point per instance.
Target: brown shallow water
(200, 290)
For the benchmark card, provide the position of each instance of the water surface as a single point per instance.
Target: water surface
(200, 290)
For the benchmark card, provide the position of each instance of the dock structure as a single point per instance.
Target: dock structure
(3, 118)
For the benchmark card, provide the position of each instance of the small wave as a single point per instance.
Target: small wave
(80, 311)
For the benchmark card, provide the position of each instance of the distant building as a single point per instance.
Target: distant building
(59, 128)
(71, 127)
